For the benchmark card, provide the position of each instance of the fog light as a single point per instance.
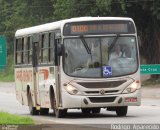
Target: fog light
(85, 101)
(120, 100)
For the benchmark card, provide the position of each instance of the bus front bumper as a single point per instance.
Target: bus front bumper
(79, 101)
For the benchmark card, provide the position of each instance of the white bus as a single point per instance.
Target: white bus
(85, 63)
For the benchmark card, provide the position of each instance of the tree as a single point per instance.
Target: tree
(20, 14)
(147, 17)
(77, 8)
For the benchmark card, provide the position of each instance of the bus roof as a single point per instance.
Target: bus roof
(59, 25)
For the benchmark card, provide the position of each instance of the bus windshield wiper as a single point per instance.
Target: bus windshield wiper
(85, 44)
(114, 42)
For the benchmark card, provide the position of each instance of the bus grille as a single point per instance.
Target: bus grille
(110, 84)
(101, 99)
(98, 92)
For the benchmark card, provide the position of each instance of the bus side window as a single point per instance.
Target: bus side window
(18, 51)
(26, 49)
(44, 47)
(16, 54)
(22, 53)
(30, 50)
(51, 48)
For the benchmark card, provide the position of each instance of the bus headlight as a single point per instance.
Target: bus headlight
(71, 90)
(132, 87)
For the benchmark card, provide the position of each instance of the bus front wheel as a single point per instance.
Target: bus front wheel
(96, 110)
(121, 111)
(86, 110)
(60, 113)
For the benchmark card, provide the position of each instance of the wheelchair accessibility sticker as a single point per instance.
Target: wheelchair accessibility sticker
(107, 71)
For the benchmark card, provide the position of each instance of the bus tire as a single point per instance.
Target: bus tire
(60, 113)
(32, 109)
(52, 97)
(96, 110)
(121, 111)
(86, 110)
(44, 111)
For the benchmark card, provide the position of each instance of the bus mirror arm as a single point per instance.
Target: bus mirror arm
(59, 49)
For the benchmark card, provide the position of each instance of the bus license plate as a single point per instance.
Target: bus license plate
(132, 99)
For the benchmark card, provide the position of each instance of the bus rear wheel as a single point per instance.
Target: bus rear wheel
(121, 111)
(44, 111)
(32, 109)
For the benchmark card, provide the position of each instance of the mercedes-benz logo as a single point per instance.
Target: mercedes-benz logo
(102, 92)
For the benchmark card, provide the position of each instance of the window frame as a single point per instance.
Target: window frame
(25, 50)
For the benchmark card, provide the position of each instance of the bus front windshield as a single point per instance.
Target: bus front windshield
(98, 57)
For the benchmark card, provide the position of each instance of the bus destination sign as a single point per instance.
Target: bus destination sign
(103, 27)
(98, 28)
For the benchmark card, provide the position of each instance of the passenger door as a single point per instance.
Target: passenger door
(35, 56)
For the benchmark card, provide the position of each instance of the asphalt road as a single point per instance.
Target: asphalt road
(147, 113)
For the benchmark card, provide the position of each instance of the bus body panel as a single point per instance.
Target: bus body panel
(71, 101)
(77, 101)
(45, 79)
(24, 78)
(46, 76)
(18, 85)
